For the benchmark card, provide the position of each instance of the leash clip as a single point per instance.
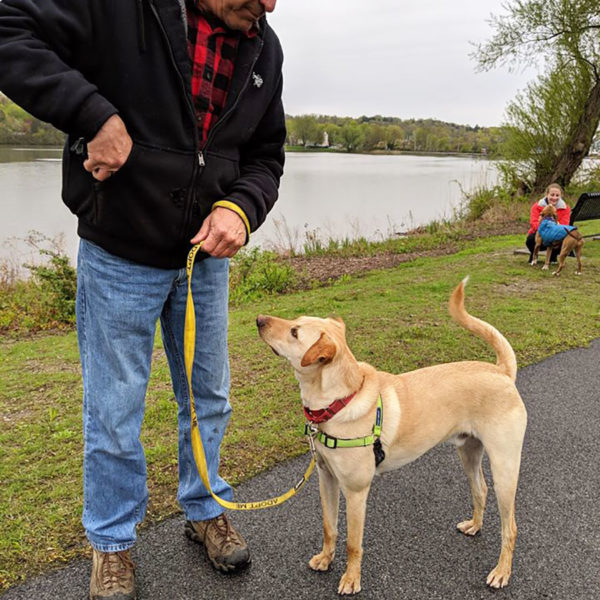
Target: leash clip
(311, 430)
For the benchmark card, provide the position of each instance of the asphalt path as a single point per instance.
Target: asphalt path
(412, 548)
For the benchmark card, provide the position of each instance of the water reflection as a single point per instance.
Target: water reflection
(322, 196)
(12, 155)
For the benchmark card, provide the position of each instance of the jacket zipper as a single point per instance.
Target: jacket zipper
(78, 147)
(200, 163)
(224, 117)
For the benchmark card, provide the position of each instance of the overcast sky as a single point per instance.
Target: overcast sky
(401, 58)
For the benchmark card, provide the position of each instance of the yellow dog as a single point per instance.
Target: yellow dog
(473, 404)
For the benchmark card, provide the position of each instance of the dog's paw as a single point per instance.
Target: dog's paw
(469, 527)
(498, 578)
(349, 584)
(545, 268)
(577, 272)
(533, 263)
(320, 562)
(556, 273)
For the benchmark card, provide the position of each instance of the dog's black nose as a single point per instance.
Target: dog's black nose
(261, 321)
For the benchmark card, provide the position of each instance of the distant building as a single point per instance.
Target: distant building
(324, 143)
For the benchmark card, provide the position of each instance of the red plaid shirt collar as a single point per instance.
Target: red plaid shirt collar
(213, 50)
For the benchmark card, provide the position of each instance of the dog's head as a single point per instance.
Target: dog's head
(549, 212)
(307, 342)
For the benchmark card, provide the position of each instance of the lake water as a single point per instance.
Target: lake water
(322, 194)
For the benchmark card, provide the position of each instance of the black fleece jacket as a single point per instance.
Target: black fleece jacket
(76, 63)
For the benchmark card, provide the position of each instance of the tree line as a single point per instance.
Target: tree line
(364, 134)
(18, 127)
(379, 133)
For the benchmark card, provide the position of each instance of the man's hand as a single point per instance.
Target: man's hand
(222, 234)
(109, 149)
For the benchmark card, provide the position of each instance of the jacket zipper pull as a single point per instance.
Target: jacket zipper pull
(79, 146)
(201, 159)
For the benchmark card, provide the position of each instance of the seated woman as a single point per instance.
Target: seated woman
(553, 196)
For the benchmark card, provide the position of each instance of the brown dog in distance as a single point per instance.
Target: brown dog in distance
(473, 404)
(572, 242)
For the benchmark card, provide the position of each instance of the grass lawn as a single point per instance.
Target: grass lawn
(396, 319)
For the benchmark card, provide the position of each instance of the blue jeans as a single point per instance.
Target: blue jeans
(118, 305)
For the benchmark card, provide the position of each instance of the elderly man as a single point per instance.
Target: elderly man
(175, 136)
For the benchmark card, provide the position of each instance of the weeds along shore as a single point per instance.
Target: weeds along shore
(40, 295)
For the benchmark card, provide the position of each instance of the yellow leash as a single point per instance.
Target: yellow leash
(189, 345)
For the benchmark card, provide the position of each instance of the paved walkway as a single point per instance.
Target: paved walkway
(412, 550)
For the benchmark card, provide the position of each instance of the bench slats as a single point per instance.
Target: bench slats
(586, 209)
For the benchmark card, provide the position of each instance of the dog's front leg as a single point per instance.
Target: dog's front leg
(356, 507)
(534, 255)
(548, 255)
(330, 503)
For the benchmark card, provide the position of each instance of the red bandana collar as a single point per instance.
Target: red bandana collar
(324, 414)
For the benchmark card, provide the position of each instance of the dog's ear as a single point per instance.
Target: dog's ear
(323, 351)
(340, 321)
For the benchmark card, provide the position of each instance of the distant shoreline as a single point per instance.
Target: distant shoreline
(300, 150)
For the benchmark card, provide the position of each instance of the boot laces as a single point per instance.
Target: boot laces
(116, 570)
(224, 528)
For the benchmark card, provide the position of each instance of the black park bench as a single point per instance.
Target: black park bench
(586, 209)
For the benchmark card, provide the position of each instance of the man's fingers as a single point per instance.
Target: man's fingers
(109, 150)
(89, 165)
(219, 246)
(222, 233)
(214, 245)
(203, 233)
(225, 249)
(96, 163)
(101, 174)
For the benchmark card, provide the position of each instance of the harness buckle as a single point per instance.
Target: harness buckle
(331, 442)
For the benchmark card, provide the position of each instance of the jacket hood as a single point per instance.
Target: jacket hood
(561, 204)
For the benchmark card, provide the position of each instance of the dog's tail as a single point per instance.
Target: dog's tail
(505, 355)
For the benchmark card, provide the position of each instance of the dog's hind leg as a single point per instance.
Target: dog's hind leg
(471, 455)
(504, 462)
(330, 502)
(562, 257)
(578, 256)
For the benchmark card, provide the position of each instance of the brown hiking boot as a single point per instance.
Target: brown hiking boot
(112, 576)
(225, 547)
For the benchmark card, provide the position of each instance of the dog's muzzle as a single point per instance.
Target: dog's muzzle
(261, 323)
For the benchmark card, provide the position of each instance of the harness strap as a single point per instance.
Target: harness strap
(332, 442)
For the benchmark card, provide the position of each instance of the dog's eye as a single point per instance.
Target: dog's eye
(294, 332)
